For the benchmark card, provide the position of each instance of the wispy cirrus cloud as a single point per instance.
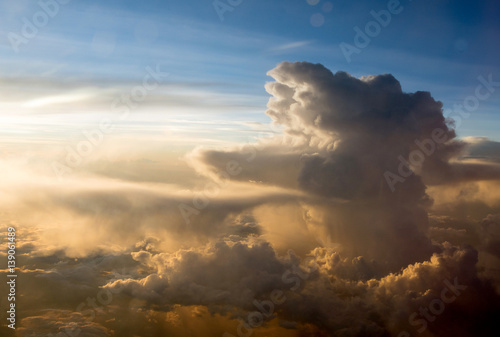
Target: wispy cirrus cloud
(292, 45)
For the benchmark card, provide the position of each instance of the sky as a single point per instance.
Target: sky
(237, 167)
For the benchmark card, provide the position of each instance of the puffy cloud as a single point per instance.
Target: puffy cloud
(342, 134)
(334, 294)
(490, 227)
(222, 273)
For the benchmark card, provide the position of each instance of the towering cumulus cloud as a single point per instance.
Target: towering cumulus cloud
(349, 135)
(359, 129)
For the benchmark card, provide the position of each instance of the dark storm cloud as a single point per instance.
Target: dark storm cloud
(344, 134)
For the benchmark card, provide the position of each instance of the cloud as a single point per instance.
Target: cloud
(481, 148)
(61, 321)
(60, 99)
(336, 296)
(292, 45)
(341, 135)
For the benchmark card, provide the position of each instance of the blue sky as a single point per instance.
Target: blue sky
(90, 48)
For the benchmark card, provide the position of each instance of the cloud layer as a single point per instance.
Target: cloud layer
(298, 234)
